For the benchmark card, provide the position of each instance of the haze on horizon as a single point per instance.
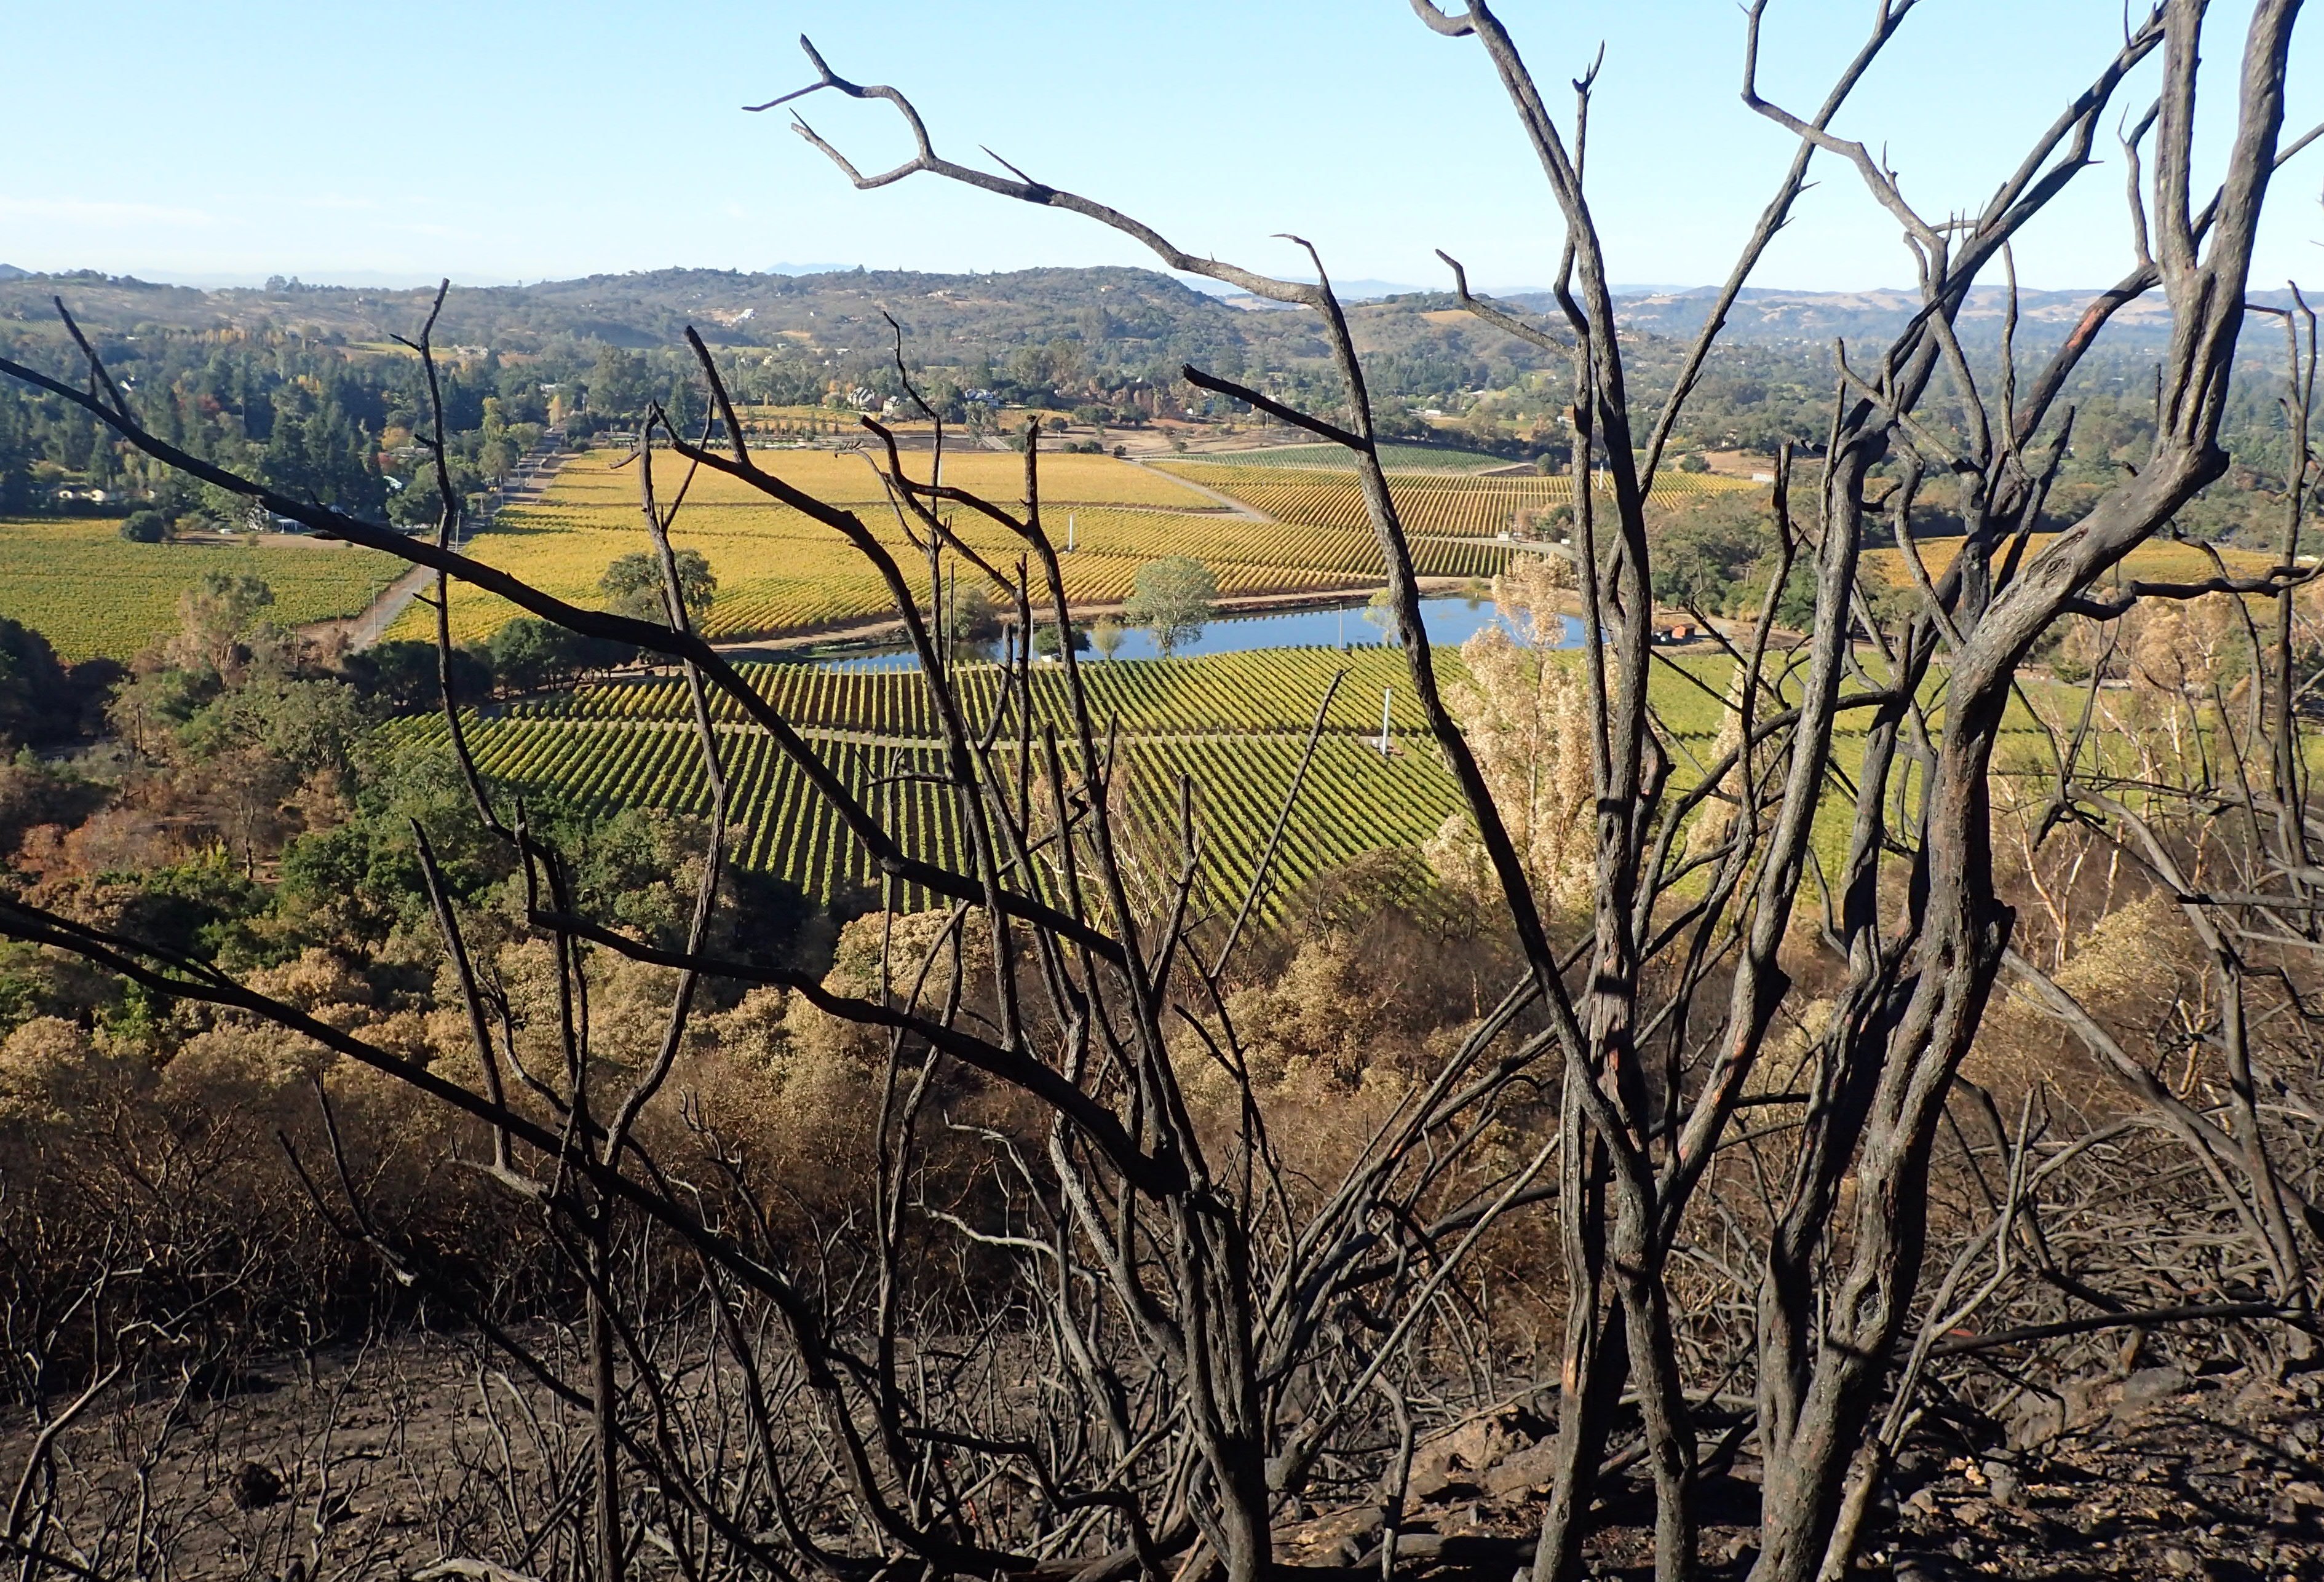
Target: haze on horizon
(526, 142)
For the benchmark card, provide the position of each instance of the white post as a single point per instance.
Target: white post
(1388, 698)
(1069, 532)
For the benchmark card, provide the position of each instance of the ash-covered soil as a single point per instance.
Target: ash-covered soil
(2158, 1474)
(386, 1462)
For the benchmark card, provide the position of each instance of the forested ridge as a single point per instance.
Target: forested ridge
(308, 384)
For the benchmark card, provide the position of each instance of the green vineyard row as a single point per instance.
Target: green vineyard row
(1232, 724)
(1355, 801)
(1266, 691)
(1262, 691)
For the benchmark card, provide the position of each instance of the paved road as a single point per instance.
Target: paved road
(1247, 512)
(369, 627)
(526, 483)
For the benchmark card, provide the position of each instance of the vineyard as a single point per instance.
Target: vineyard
(2156, 560)
(1439, 504)
(1416, 458)
(1355, 801)
(93, 593)
(780, 571)
(1234, 723)
(1260, 691)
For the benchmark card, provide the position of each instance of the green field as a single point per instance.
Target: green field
(91, 593)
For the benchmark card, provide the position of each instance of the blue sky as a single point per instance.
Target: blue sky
(500, 140)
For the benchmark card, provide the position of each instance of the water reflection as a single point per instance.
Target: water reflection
(1451, 621)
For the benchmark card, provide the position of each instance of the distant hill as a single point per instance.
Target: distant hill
(9, 271)
(1773, 315)
(1348, 290)
(839, 309)
(1128, 325)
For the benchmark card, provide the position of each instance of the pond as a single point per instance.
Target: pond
(1451, 621)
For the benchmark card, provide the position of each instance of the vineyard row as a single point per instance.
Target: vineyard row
(1355, 800)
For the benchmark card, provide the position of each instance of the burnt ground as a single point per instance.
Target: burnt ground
(377, 1462)
(384, 1462)
(2156, 1475)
